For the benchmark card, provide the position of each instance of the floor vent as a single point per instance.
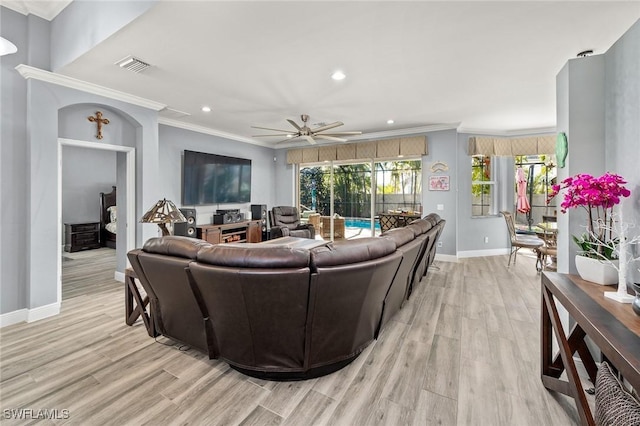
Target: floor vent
(133, 64)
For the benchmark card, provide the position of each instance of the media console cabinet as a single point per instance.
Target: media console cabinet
(241, 232)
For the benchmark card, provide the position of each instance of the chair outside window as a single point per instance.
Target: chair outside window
(286, 223)
(521, 241)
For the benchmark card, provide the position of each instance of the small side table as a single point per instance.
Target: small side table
(132, 312)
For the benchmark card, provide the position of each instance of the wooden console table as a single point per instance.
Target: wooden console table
(612, 326)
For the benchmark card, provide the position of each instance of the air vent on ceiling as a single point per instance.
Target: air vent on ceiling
(132, 64)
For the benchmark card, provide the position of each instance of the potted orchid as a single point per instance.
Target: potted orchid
(598, 196)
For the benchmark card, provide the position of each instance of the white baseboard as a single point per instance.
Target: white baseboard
(42, 312)
(483, 253)
(446, 257)
(29, 315)
(118, 276)
(14, 317)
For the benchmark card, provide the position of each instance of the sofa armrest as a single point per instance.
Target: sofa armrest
(309, 227)
(279, 231)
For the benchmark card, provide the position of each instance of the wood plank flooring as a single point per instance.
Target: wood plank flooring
(463, 351)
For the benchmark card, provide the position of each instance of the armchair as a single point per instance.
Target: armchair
(286, 223)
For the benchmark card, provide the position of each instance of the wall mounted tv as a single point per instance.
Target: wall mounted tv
(213, 179)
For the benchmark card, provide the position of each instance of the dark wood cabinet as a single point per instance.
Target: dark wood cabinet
(241, 232)
(81, 236)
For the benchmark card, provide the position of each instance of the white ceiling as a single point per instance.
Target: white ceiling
(480, 66)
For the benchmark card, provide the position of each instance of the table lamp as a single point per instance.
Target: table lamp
(163, 212)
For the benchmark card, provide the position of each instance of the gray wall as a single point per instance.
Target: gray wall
(84, 24)
(622, 120)
(173, 141)
(14, 220)
(45, 101)
(442, 148)
(85, 174)
(284, 180)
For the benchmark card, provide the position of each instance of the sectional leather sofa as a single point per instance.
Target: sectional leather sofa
(278, 312)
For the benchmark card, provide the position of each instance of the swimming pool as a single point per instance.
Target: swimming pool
(359, 223)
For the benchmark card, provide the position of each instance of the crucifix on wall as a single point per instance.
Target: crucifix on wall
(99, 122)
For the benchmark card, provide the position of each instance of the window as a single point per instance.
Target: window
(482, 186)
(540, 173)
(353, 191)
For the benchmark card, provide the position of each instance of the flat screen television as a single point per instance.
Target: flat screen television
(213, 179)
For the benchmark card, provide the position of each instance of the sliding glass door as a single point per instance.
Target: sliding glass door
(348, 196)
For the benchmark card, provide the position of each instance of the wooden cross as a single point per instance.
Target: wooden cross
(99, 121)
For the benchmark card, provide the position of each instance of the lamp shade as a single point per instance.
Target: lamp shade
(6, 47)
(163, 212)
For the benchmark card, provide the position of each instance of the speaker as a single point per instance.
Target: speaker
(188, 228)
(232, 217)
(259, 212)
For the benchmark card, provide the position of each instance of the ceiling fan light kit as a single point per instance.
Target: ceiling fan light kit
(309, 134)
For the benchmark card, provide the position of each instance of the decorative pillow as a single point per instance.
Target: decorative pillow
(113, 212)
(615, 406)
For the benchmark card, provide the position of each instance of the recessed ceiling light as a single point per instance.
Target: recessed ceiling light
(338, 75)
(289, 136)
(206, 109)
(390, 121)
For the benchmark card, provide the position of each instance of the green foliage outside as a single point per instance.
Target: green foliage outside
(352, 183)
(480, 171)
(544, 172)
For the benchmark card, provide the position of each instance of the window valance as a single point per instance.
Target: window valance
(378, 149)
(531, 145)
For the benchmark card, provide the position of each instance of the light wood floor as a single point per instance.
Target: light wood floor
(464, 350)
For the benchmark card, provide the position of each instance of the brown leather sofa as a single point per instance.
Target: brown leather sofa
(277, 312)
(160, 267)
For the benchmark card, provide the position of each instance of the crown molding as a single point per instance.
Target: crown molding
(43, 9)
(28, 72)
(209, 131)
(404, 132)
(507, 133)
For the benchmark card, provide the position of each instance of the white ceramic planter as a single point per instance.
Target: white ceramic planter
(597, 271)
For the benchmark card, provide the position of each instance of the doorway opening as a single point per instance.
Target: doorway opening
(125, 165)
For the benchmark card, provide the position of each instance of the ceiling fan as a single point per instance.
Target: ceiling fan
(309, 134)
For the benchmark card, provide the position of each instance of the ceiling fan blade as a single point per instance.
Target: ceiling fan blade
(330, 138)
(288, 139)
(267, 128)
(294, 124)
(327, 127)
(310, 139)
(342, 133)
(268, 136)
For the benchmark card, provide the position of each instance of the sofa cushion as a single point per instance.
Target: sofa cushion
(420, 226)
(351, 251)
(615, 406)
(254, 256)
(400, 236)
(433, 218)
(173, 245)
